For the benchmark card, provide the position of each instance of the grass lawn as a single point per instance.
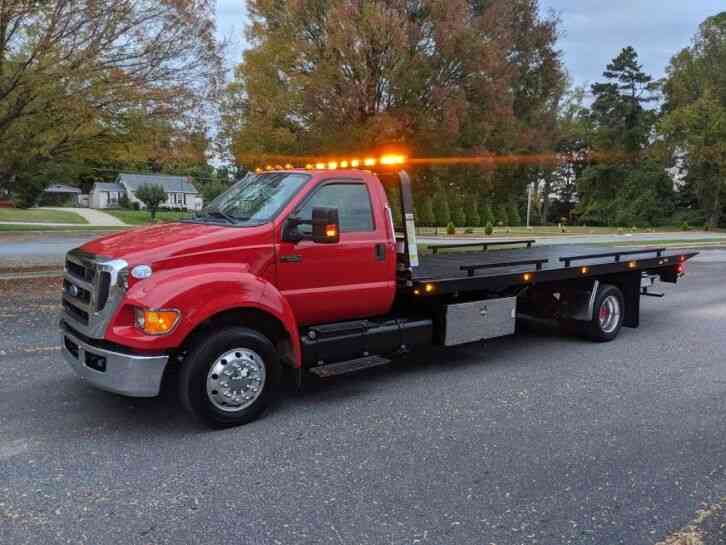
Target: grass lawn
(141, 217)
(41, 216)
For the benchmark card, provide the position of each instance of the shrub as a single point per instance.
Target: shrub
(489, 229)
(707, 227)
(29, 191)
(469, 231)
(451, 228)
(124, 202)
(685, 226)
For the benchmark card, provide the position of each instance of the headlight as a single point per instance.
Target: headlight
(156, 322)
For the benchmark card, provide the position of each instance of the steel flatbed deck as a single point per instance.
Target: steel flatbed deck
(468, 271)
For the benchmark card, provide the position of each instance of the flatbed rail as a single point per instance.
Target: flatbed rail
(617, 255)
(483, 245)
(471, 269)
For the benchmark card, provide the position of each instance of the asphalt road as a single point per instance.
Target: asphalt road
(55, 245)
(537, 438)
(627, 238)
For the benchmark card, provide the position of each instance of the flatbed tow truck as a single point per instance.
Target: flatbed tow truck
(302, 270)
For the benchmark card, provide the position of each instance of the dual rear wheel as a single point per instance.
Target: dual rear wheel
(607, 317)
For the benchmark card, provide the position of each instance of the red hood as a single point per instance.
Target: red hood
(148, 245)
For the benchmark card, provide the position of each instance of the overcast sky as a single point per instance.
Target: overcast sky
(594, 31)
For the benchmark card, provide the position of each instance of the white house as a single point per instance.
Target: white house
(180, 191)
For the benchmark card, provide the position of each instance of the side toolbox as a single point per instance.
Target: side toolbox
(479, 320)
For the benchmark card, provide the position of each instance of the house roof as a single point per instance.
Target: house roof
(171, 184)
(105, 186)
(60, 188)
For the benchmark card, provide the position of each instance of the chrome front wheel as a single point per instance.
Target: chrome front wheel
(236, 379)
(229, 377)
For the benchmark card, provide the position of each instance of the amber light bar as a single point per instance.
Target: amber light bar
(368, 162)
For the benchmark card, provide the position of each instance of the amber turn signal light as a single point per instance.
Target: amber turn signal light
(156, 322)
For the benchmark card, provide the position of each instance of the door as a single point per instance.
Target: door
(353, 278)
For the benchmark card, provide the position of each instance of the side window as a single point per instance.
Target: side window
(352, 201)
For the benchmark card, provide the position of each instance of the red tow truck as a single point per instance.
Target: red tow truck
(301, 270)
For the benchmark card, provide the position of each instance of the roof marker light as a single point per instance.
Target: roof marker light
(320, 166)
(344, 164)
(393, 160)
(288, 166)
(332, 165)
(527, 277)
(370, 162)
(355, 163)
(584, 270)
(632, 264)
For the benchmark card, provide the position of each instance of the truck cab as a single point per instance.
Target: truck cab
(301, 270)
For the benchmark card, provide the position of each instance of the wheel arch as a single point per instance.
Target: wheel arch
(265, 322)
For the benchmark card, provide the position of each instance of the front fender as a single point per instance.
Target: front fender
(199, 292)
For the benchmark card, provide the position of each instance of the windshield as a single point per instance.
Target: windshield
(256, 199)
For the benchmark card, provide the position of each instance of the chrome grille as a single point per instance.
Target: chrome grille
(91, 292)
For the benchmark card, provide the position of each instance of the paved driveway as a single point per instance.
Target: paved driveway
(533, 439)
(93, 217)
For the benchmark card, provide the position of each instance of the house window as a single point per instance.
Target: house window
(179, 199)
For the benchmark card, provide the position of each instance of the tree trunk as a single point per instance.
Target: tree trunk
(546, 199)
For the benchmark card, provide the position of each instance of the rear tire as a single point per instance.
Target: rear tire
(229, 378)
(608, 314)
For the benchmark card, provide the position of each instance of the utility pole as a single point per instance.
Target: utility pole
(530, 189)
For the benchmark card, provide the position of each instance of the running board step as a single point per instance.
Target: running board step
(350, 366)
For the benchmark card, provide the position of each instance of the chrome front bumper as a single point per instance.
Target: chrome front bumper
(125, 374)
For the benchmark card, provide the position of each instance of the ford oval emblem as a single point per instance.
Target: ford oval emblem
(73, 290)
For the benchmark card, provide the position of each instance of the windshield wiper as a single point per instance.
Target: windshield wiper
(220, 214)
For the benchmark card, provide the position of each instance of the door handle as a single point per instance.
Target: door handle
(292, 258)
(381, 252)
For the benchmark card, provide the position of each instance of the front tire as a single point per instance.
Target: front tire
(229, 378)
(608, 314)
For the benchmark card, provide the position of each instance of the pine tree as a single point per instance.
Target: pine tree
(441, 210)
(427, 216)
(460, 219)
(472, 214)
(487, 215)
(515, 220)
(503, 215)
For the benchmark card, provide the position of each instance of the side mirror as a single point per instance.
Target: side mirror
(326, 225)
